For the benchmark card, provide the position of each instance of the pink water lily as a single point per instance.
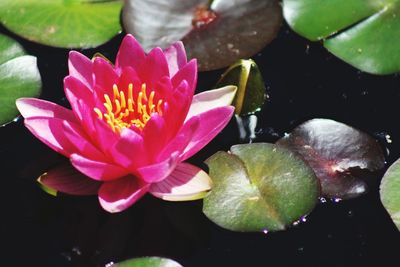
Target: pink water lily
(131, 126)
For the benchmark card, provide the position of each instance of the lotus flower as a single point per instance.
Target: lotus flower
(131, 126)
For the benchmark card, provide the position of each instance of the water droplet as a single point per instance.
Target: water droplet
(109, 264)
(77, 251)
(265, 231)
(350, 213)
(336, 199)
(359, 50)
(322, 200)
(307, 49)
(300, 249)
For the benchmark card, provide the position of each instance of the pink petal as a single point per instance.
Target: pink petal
(104, 77)
(129, 151)
(159, 171)
(118, 195)
(81, 142)
(154, 68)
(186, 182)
(129, 76)
(97, 170)
(176, 57)
(181, 140)
(66, 179)
(130, 53)
(75, 91)
(188, 73)
(154, 135)
(33, 107)
(50, 131)
(105, 137)
(211, 123)
(81, 68)
(211, 99)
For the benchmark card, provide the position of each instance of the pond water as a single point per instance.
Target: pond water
(303, 82)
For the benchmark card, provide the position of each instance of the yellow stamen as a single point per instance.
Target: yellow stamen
(124, 110)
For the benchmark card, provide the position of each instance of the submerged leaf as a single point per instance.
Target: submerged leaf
(62, 23)
(390, 192)
(259, 187)
(334, 150)
(148, 262)
(217, 35)
(364, 33)
(19, 77)
(246, 76)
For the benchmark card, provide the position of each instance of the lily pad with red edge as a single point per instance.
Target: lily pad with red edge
(19, 77)
(259, 187)
(217, 35)
(390, 192)
(363, 33)
(250, 94)
(148, 262)
(337, 153)
(63, 23)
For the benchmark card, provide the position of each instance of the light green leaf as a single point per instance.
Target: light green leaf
(364, 33)
(259, 187)
(19, 77)
(63, 23)
(390, 192)
(148, 262)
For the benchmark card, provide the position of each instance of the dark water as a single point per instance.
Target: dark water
(303, 82)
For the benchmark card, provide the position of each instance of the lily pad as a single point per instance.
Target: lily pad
(246, 76)
(63, 23)
(337, 153)
(390, 192)
(148, 262)
(259, 187)
(364, 33)
(217, 35)
(19, 77)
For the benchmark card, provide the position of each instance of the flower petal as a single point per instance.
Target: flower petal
(154, 68)
(176, 57)
(130, 53)
(50, 131)
(81, 68)
(186, 182)
(118, 195)
(159, 171)
(105, 137)
(154, 135)
(188, 73)
(211, 123)
(211, 99)
(97, 170)
(76, 91)
(66, 179)
(181, 140)
(104, 77)
(81, 142)
(129, 151)
(33, 107)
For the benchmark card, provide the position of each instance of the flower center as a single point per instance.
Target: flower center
(124, 111)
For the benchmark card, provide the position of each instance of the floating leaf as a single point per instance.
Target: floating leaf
(390, 192)
(63, 23)
(259, 187)
(250, 95)
(334, 150)
(148, 262)
(217, 35)
(19, 77)
(364, 33)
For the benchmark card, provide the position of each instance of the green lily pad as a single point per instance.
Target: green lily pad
(259, 187)
(148, 262)
(390, 192)
(364, 33)
(19, 77)
(63, 23)
(250, 95)
(217, 33)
